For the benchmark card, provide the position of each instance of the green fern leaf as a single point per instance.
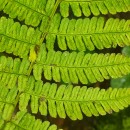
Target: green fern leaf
(30, 11)
(95, 7)
(25, 121)
(12, 70)
(74, 67)
(83, 34)
(72, 101)
(21, 120)
(17, 39)
(7, 99)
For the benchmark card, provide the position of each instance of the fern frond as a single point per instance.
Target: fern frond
(74, 67)
(83, 34)
(11, 70)
(7, 100)
(22, 120)
(72, 101)
(17, 39)
(25, 121)
(95, 7)
(30, 11)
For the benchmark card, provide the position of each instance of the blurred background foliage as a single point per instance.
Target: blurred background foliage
(121, 120)
(125, 80)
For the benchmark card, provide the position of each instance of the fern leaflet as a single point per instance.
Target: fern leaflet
(95, 7)
(88, 34)
(72, 101)
(74, 67)
(12, 70)
(25, 121)
(17, 39)
(22, 120)
(30, 11)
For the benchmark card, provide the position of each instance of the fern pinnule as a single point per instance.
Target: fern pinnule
(95, 7)
(12, 69)
(7, 99)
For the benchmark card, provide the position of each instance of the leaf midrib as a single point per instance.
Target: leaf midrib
(24, 42)
(29, 8)
(80, 34)
(76, 100)
(92, 66)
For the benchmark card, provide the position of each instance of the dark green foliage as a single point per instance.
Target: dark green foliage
(116, 121)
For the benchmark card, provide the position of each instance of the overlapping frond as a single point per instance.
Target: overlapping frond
(83, 34)
(72, 101)
(17, 39)
(12, 69)
(95, 7)
(25, 121)
(30, 11)
(74, 67)
(22, 120)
